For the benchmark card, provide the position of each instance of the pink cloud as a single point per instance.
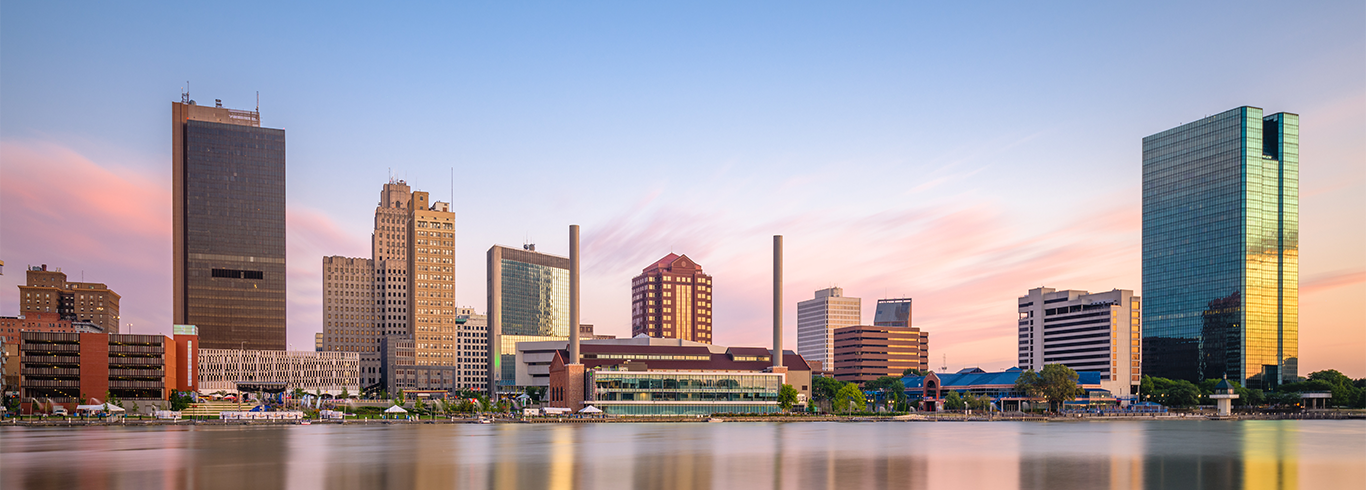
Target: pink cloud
(310, 236)
(114, 223)
(1335, 279)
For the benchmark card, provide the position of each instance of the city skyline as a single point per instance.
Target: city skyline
(898, 158)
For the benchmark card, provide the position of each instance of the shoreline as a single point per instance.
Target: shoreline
(1356, 415)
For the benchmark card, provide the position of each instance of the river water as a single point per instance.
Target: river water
(818, 455)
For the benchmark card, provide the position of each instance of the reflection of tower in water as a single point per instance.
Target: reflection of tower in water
(677, 464)
(1269, 460)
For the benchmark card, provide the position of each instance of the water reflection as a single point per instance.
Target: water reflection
(1115, 455)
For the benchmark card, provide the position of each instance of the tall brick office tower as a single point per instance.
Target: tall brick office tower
(672, 299)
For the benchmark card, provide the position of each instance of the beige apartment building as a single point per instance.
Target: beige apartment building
(349, 312)
(431, 280)
(817, 320)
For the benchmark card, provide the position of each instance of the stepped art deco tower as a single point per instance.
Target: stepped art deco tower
(1221, 249)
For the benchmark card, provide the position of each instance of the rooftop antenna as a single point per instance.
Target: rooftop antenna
(185, 93)
(258, 103)
(945, 367)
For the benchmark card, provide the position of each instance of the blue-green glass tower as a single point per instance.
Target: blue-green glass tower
(1221, 249)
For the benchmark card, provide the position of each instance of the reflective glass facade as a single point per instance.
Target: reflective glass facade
(233, 191)
(528, 294)
(1221, 249)
(535, 299)
(679, 393)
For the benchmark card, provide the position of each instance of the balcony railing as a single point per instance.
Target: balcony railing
(50, 383)
(135, 361)
(136, 349)
(50, 360)
(137, 373)
(45, 347)
(27, 371)
(119, 383)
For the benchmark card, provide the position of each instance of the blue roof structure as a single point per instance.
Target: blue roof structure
(977, 377)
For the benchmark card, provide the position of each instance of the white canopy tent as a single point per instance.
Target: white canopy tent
(395, 410)
(103, 407)
(591, 410)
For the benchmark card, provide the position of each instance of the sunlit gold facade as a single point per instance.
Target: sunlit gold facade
(1221, 249)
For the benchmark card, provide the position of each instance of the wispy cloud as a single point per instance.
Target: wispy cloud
(109, 222)
(1331, 280)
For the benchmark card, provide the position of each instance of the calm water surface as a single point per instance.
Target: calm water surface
(994, 455)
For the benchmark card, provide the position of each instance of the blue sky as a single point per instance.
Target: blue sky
(959, 155)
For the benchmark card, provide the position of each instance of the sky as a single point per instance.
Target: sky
(959, 155)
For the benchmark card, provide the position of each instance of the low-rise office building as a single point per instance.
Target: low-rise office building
(928, 392)
(649, 376)
(326, 372)
(12, 326)
(867, 352)
(400, 372)
(621, 391)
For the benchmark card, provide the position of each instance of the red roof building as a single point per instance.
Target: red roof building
(672, 299)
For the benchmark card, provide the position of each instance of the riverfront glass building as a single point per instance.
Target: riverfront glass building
(681, 393)
(1221, 249)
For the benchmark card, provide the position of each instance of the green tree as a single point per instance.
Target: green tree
(952, 401)
(1345, 392)
(1059, 384)
(1145, 388)
(824, 388)
(345, 394)
(180, 401)
(978, 402)
(913, 372)
(787, 397)
(893, 391)
(849, 399)
(1056, 383)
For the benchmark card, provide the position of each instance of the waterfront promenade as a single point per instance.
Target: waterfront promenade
(29, 421)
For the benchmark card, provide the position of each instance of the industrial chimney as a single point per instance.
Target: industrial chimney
(777, 300)
(573, 294)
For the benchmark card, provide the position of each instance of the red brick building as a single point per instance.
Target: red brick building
(672, 299)
(12, 326)
(865, 352)
(67, 368)
(48, 291)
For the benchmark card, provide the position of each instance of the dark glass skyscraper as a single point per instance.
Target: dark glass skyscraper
(1221, 249)
(229, 226)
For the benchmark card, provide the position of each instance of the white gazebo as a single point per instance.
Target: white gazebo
(395, 410)
(1224, 396)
